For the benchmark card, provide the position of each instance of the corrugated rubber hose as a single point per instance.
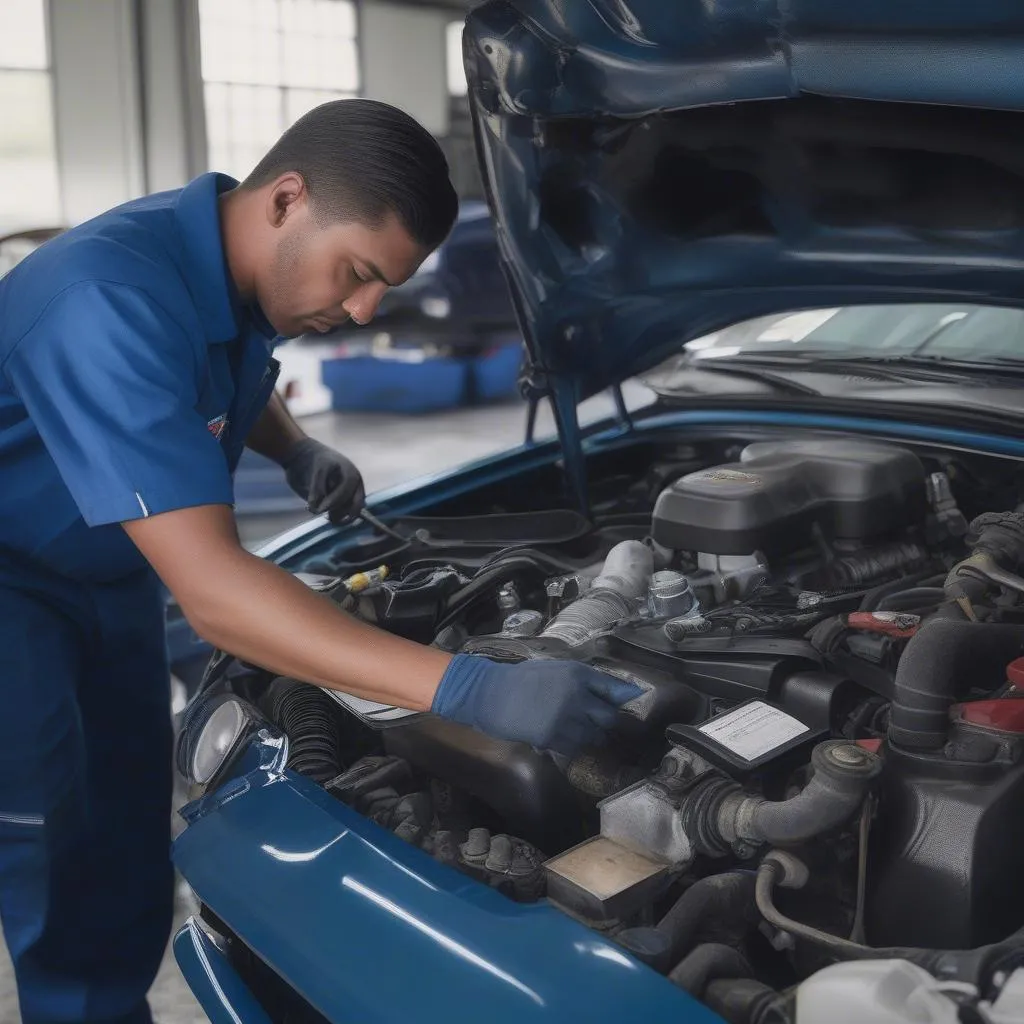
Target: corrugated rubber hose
(308, 718)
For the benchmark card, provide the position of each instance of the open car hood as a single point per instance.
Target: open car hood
(660, 170)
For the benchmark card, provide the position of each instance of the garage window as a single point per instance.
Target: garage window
(29, 188)
(265, 63)
(457, 85)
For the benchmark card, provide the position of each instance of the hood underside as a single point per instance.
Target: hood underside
(660, 170)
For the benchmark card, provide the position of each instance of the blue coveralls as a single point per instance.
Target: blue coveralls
(129, 379)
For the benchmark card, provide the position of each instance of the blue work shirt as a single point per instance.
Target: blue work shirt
(130, 376)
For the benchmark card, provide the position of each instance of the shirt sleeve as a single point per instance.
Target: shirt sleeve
(111, 382)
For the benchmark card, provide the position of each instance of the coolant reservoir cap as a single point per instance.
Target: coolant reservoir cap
(1002, 714)
(1015, 673)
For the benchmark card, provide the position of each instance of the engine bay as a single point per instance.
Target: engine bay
(821, 783)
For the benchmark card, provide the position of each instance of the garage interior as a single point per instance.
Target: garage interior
(668, 666)
(108, 100)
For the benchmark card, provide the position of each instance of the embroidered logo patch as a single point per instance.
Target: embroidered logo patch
(217, 425)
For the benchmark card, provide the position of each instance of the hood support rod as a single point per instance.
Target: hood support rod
(620, 407)
(563, 405)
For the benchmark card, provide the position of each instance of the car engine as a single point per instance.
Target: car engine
(822, 781)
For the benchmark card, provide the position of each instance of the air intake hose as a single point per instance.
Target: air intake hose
(612, 596)
(308, 718)
(943, 657)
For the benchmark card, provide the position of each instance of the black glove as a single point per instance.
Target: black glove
(553, 705)
(326, 479)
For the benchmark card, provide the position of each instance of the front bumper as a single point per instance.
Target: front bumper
(367, 928)
(221, 993)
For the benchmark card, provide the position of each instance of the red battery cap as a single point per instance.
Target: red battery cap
(1015, 673)
(1005, 715)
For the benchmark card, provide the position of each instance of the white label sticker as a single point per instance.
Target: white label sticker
(753, 730)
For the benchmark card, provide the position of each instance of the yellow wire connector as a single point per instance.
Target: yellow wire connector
(363, 580)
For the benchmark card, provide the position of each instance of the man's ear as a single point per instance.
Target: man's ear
(288, 196)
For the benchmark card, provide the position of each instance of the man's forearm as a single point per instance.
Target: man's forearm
(264, 615)
(275, 432)
(257, 610)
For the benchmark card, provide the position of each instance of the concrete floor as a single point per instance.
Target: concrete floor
(388, 450)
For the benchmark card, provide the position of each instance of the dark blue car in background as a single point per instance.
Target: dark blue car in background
(802, 226)
(458, 298)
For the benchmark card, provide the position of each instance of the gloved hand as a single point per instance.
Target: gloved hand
(553, 705)
(325, 478)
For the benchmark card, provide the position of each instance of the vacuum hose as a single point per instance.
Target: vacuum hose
(974, 966)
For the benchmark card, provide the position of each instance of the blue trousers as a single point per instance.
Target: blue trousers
(86, 885)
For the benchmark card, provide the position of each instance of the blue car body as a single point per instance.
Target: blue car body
(565, 98)
(452, 942)
(363, 927)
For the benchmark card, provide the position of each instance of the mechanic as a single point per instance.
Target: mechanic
(136, 364)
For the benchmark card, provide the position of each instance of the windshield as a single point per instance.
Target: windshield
(948, 355)
(974, 334)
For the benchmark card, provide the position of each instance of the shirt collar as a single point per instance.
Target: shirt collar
(206, 271)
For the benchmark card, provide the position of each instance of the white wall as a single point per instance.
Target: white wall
(128, 94)
(97, 104)
(404, 52)
(175, 128)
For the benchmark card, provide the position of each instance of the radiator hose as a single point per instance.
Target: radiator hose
(710, 962)
(718, 907)
(843, 774)
(944, 657)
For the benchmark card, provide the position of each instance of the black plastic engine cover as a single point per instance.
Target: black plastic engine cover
(944, 870)
(770, 500)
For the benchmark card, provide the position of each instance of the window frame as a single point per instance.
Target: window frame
(42, 70)
(224, 153)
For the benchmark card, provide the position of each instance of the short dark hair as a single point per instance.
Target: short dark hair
(360, 160)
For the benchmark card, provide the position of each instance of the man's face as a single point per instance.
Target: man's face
(320, 277)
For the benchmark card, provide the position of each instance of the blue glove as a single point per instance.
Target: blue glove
(552, 705)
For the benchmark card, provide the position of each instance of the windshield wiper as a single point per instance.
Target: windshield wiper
(939, 366)
(1004, 364)
(885, 366)
(734, 368)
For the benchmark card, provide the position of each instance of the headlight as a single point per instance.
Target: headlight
(212, 733)
(216, 740)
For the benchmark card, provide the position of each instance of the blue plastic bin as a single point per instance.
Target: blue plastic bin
(496, 373)
(369, 384)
